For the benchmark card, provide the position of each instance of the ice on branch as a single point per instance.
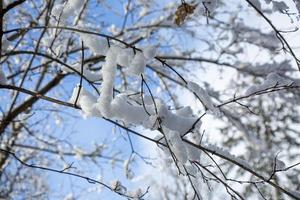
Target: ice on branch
(86, 101)
(3, 79)
(203, 97)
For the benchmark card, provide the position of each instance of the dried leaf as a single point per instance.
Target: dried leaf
(182, 12)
